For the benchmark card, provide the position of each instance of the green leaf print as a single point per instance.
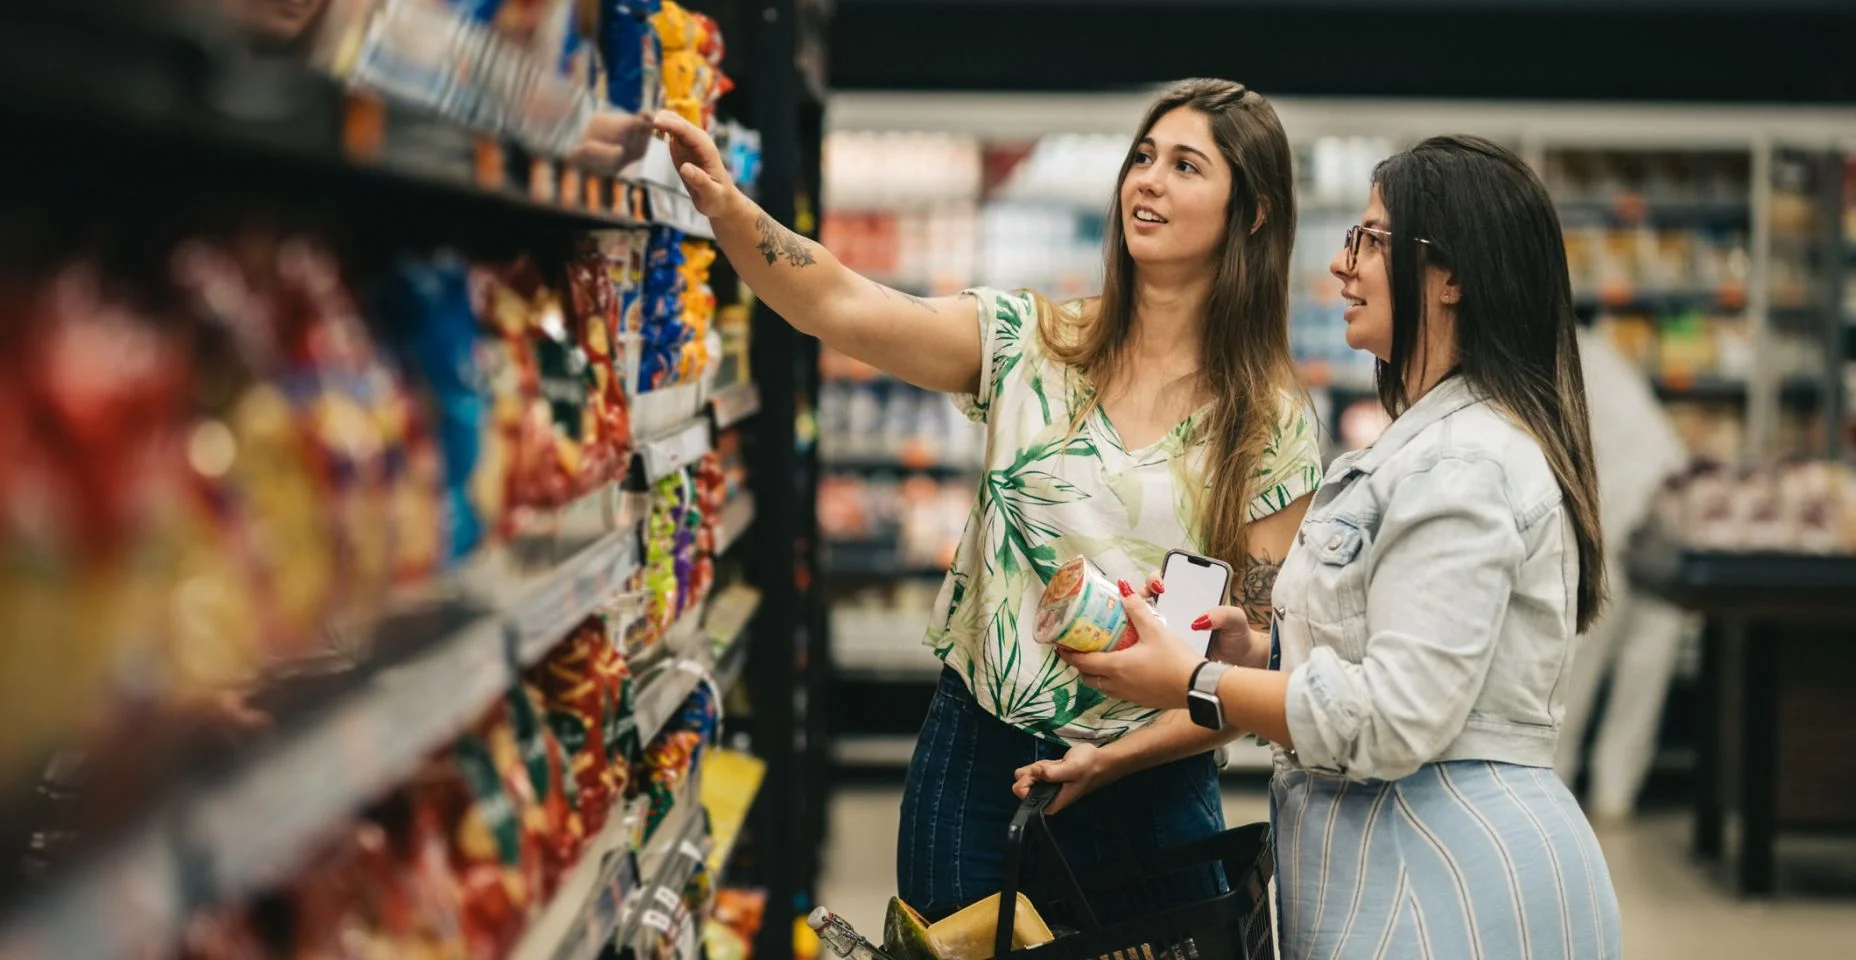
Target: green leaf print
(1007, 345)
(1126, 487)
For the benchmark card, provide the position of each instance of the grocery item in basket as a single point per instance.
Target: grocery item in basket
(905, 933)
(969, 934)
(1081, 610)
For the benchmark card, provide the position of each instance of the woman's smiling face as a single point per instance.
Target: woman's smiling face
(1366, 283)
(1174, 198)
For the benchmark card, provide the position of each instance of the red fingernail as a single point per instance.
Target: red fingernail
(1158, 587)
(1202, 623)
(1126, 590)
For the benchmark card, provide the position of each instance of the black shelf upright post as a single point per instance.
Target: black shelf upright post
(781, 358)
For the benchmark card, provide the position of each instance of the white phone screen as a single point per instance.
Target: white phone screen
(1193, 586)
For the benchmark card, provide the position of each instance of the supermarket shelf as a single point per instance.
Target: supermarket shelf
(581, 920)
(657, 411)
(733, 404)
(548, 610)
(895, 465)
(737, 517)
(1796, 390)
(1694, 214)
(873, 750)
(182, 103)
(669, 198)
(881, 646)
(256, 826)
(1659, 302)
(726, 627)
(668, 860)
(684, 665)
(673, 449)
(885, 569)
(730, 782)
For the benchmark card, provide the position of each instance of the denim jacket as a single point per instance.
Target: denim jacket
(1427, 610)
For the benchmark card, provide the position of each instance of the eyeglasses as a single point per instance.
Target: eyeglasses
(1358, 232)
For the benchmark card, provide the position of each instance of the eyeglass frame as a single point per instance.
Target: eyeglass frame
(1356, 232)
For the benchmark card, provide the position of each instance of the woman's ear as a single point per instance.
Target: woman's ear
(1452, 292)
(1262, 215)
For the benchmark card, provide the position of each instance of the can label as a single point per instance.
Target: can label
(1081, 610)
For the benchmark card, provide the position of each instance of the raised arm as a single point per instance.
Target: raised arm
(930, 342)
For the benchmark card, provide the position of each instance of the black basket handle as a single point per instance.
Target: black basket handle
(1030, 820)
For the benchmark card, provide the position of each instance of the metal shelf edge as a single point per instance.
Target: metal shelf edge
(661, 851)
(577, 896)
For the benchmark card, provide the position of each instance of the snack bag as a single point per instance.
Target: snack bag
(577, 701)
(555, 817)
(632, 52)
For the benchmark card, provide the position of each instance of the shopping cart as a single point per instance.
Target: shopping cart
(1235, 924)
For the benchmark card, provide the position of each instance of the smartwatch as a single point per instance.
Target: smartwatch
(1202, 702)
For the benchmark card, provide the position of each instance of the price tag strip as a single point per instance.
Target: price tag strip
(584, 914)
(733, 404)
(657, 411)
(573, 592)
(674, 449)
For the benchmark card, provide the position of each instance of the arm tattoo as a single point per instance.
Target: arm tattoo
(889, 292)
(777, 241)
(1259, 582)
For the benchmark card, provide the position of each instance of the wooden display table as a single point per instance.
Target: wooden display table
(1777, 730)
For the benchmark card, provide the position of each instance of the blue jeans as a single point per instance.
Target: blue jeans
(958, 801)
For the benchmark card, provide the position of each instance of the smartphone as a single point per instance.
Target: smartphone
(1194, 584)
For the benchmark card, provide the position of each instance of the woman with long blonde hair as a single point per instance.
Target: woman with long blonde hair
(1162, 414)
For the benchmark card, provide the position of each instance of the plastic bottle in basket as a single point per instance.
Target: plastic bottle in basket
(842, 938)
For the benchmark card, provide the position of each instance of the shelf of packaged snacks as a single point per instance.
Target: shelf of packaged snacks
(256, 823)
(1659, 302)
(583, 917)
(733, 404)
(736, 518)
(293, 125)
(669, 858)
(730, 782)
(726, 626)
(1632, 210)
(661, 693)
(545, 608)
(1793, 390)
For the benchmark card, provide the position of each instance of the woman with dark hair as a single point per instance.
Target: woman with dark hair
(1162, 414)
(1424, 623)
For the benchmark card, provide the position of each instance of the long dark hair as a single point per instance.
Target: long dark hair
(1488, 222)
(1244, 362)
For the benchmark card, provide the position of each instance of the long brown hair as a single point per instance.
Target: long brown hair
(1489, 222)
(1244, 364)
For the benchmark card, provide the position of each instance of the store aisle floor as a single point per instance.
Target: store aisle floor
(1672, 909)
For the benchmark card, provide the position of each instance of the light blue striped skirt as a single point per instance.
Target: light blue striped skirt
(1460, 860)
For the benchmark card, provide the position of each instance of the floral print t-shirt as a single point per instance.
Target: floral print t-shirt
(1048, 494)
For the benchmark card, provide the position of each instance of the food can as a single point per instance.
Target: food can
(1081, 610)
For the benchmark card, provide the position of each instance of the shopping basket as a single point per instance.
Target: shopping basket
(1235, 924)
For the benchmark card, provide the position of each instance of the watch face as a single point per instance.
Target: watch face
(1204, 711)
